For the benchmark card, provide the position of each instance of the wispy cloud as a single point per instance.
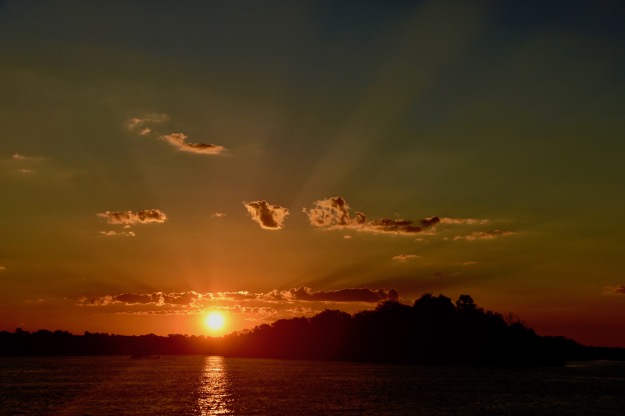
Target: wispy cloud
(144, 125)
(333, 214)
(22, 164)
(2, 268)
(218, 215)
(404, 257)
(141, 125)
(619, 289)
(117, 233)
(21, 157)
(469, 221)
(269, 217)
(178, 140)
(484, 235)
(143, 216)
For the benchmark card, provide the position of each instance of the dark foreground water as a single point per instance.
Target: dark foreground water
(194, 385)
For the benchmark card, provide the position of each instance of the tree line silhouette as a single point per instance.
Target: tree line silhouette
(433, 330)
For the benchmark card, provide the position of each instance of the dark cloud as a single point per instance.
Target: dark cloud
(257, 310)
(238, 296)
(138, 299)
(333, 213)
(183, 298)
(269, 217)
(156, 298)
(143, 216)
(306, 294)
(390, 226)
(412, 286)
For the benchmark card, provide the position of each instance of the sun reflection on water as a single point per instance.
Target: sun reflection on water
(214, 392)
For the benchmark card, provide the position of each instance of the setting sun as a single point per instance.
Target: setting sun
(215, 321)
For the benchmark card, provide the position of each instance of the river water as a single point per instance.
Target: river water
(198, 385)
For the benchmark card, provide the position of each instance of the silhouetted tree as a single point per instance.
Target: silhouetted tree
(432, 330)
(435, 328)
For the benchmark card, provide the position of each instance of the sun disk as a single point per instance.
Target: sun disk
(215, 321)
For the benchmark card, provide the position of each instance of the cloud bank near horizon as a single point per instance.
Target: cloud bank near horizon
(193, 298)
(264, 306)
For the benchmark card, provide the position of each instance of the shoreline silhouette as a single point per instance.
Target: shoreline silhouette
(434, 330)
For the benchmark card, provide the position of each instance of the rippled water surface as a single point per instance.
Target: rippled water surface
(195, 385)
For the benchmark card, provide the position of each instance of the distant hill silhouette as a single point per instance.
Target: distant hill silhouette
(431, 331)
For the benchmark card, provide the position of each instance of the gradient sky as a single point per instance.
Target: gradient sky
(272, 159)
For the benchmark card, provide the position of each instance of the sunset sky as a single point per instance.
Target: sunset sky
(271, 159)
